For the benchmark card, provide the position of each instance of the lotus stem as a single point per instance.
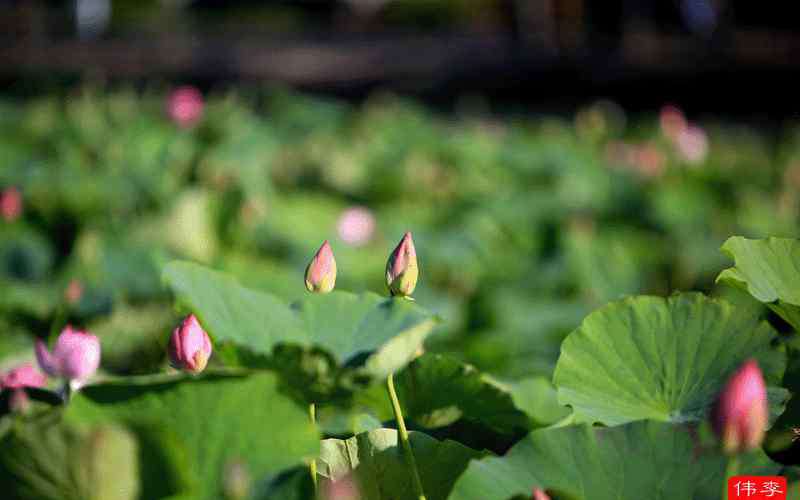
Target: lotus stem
(404, 442)
(312, 467)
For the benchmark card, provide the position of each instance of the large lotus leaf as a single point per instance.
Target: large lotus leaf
(645, 459)
(218, 419)
(537, 397)
(45, 459)
(769, 270)
(375, 460)
(662, 359)
(381, 333)
(436, 391)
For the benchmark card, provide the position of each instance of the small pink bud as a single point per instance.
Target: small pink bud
(24, 375)
(401, 269)
(189, 346)
(321, 271)
(185, 106)
(740, 415)
(356, 226)
(75, 357)
(539, 494)
(11, 204)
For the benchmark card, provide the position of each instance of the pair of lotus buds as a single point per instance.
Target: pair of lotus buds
(401, 269)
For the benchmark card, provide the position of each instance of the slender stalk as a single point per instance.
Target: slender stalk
(405, 443)
(730, 470)
(312, 468)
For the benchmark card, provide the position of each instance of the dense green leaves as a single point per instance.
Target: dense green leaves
(769, 270)
(45, 459)
(522, 226)
(207, 422)
(662, 359)
(387, 330)
(639, 460)
(375, 460)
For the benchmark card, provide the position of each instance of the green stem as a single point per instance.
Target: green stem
(312, 468)
(403, 435)
(730, 470)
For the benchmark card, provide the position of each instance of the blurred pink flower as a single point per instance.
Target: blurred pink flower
(539, 494)
(672, 122)
(740, 414)
(11, 204)
(185, 106)
(75, 357)
(644, 159)
(356, 226)
(74, 291)
(189, 347)
(692, 144)
(24, 375)
(649, 161)
(344, 488)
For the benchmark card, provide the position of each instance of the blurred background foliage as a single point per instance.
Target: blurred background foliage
(523, 223)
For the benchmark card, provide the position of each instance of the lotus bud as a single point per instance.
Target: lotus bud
(401, 269)
(190, 346)
(740, 414)
(540, 494)
(321, 271)
(24, 375)
(75, 357)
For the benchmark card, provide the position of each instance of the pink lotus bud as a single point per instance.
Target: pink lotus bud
(740, 414)
(24, 375)
(190, 346)
(401, 269)
(185, 106)
(321, 271)
(539, 494)
(11, 204)
(75, 357)
(356, 226)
